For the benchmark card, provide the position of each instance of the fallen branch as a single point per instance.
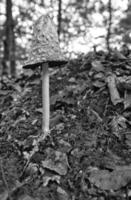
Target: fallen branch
(114, 94)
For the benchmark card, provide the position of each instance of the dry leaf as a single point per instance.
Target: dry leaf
(62, 194)
(47, 179)
(56, 161)
(127, 99)
(115, 180)
(97, 66)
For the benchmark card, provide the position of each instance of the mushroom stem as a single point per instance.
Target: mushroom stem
(45, 99)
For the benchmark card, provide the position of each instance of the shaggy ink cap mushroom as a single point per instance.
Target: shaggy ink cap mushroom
(45, 45)
(45, 52)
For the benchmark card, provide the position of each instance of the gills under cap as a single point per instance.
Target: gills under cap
(45, 44)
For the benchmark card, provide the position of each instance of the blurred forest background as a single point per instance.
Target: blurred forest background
(83, 26)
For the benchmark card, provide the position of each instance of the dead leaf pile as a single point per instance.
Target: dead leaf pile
(88, 152)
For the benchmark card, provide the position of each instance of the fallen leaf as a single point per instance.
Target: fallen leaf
(39, 110)
(124, 82)
(128, 139)
(127, 100)
(47, 179)
(72, 80)
(56, 120)
(62, 194)
(4, 195)
(118, 123)
(4, 92)
(56, 161)
(98, 83)
(64, 146)
(115, 180)
(26, 197)
(118, 55)
(17, 88)
(97, 66)
(54, 99)
(99, 76)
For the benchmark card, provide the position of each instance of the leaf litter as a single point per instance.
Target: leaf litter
(88, 152)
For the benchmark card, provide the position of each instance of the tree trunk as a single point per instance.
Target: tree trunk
(109, 25)
(42, 3)
(9, 43)
(59, 18)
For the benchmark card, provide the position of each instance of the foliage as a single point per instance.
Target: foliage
(125, 25)
(83, 22)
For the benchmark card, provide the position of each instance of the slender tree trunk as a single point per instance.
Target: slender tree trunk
(59, 17)
(9, 43)
(42, 2)
(109, 25)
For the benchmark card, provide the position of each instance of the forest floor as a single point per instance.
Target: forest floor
(88, 152)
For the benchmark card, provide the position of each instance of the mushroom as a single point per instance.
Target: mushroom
(45, 52)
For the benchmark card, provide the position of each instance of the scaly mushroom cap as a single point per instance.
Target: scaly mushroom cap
(45, 44)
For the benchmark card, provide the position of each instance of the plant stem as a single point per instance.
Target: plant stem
(45, 99)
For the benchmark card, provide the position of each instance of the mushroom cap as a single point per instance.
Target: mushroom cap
(45, 45)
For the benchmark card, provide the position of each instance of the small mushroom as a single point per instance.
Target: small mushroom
(45, 52)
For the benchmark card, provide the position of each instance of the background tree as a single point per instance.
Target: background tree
(9, 42)
(109, 25)
(125, 25)
(59, 18)
(82, 24)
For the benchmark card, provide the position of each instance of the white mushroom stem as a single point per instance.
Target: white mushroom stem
(45, 99)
